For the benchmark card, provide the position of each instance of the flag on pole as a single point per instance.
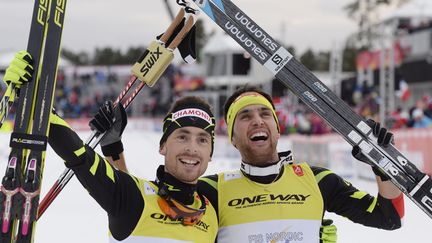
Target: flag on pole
(404, 93)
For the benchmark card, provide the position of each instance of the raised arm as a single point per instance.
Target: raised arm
(111, 144)
(116, 192)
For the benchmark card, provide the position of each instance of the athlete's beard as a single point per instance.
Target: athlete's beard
(261, 157)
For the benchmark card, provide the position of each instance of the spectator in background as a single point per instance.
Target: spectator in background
(303, 123)
(427, 105)
(369, 107)
(420, 120)
(399, 118)
(318, 126)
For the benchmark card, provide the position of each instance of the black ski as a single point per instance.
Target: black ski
(31, 184)
(414, 183)
(11, 182)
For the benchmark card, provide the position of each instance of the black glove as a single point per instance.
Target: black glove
(384, 139)
(111, 121)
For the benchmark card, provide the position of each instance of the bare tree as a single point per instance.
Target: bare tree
(363, 12)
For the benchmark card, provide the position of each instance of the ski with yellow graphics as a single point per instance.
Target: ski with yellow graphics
(32, 178)
(10, 203)
(22, 180)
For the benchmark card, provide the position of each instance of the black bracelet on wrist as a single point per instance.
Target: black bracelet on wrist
(113, 150)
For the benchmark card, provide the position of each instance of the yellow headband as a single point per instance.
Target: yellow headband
(248, 98)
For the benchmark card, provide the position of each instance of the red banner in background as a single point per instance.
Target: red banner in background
(416, 145)
(372, 59)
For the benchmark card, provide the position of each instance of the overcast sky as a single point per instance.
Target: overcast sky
(124, 23)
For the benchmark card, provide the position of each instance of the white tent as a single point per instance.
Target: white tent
(223, 47)
(222, 43)
(415, 9)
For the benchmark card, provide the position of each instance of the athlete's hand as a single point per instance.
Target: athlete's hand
(328, 231)
(20, 69)
(111, 121)
(384, 139)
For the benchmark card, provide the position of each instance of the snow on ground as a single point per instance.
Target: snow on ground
(75, 217)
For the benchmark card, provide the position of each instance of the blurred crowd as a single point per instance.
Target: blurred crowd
(72, 100)
(297, 118)
(418, 116)
(80, 92)
(79, 95)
